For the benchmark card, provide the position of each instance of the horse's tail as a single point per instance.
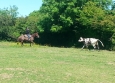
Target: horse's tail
(101, 42)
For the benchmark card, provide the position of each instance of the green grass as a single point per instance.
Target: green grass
(43, 64)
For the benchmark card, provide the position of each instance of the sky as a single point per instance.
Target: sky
(25, 7)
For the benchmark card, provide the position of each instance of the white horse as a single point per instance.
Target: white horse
(90, 41)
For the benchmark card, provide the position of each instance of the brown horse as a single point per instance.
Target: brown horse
(24, 38)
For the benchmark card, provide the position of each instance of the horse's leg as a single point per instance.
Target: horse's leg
(94, 46)
(30, 44)
(83, 46)
(87, 47)
(97, 46)
(22, 43)
(17, 43)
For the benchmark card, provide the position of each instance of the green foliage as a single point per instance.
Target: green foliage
(81, 18)
(55, 28)
(91, 14)
(32, 21)
(7, 21)
(58, 13)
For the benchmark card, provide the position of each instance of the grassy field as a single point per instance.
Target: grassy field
(43, 64)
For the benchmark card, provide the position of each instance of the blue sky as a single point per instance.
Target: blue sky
(25, 7)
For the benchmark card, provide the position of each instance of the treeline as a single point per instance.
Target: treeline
(62, 22)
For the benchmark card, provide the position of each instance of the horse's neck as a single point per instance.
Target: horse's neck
(33, 35)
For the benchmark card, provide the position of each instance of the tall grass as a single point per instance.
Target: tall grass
(43, 64)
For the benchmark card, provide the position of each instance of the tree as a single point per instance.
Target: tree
(78, 17)
(7, 21)
(32, 21)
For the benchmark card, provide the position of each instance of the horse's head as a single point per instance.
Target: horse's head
(81, 39)
(36, 35)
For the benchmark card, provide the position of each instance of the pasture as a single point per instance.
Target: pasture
(43, 64)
